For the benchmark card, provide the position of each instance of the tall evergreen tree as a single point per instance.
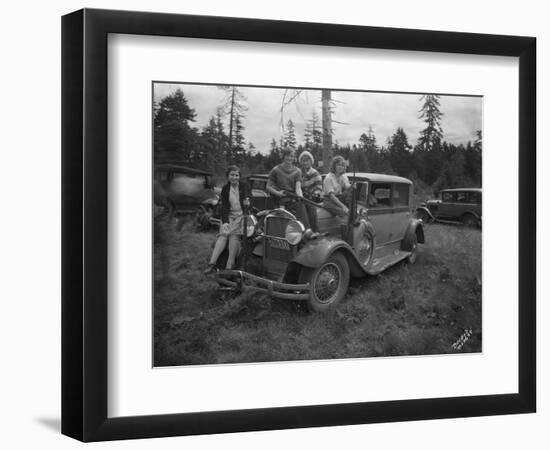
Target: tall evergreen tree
(238, 150)
(428, 154)
(173, 137)
(367, 143)
(212, 145)
(399, 153)
(274, 156)
(290, 135)
(473, 160)
(478, 144)
(432, 134)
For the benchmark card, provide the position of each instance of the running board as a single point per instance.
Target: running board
(380, 264)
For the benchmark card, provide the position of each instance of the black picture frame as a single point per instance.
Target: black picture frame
(84, 224)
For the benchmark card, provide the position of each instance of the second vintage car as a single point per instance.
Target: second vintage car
(185, 190)
(281, 258)
(460, 205)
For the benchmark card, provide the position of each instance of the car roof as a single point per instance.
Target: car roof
(379, 177)
(181, 169)
(462, 190)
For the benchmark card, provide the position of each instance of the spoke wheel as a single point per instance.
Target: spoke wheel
(328, 283)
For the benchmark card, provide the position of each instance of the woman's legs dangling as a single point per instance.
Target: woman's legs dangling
(234, 247)
(218, 249)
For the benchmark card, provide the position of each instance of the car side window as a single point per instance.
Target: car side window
(400, 195)
(447, 196)
(475, 197)
(379, 196)
(461, 197)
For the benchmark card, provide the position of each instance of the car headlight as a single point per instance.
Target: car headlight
(294, 232)
(250, 225)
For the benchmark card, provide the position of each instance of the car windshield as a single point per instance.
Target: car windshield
(258, 184)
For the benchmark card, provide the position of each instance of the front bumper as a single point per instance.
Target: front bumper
(239, 279)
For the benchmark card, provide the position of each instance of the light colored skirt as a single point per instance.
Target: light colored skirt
(235, 227)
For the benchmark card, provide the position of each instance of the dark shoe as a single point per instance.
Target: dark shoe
(209, 269)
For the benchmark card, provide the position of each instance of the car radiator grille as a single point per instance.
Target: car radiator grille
(277, 249)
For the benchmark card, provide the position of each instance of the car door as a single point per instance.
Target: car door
(462, 204)
(447, 206)
(401, 210)
(380, 211)
(474, 199)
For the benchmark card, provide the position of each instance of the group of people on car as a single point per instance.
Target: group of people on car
(289, 184)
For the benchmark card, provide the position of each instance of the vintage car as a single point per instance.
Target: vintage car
(461, 205)
(281, 258)
(185, 190)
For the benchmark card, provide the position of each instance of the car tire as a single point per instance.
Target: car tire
(469, 221)
(411, 259)
(328, 284)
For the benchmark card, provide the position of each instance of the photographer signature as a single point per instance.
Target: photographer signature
(462, 339)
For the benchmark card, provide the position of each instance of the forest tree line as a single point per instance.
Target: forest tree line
(431, 162)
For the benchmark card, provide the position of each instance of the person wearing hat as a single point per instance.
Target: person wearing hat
(312, 186)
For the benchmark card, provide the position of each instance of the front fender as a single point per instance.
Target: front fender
(424, 209)
(474, 213)
(317, 251)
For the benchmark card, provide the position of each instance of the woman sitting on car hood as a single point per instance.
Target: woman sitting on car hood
(235, 198)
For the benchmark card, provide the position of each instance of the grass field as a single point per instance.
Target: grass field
(431, 307)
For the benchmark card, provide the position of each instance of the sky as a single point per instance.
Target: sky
(355, 111)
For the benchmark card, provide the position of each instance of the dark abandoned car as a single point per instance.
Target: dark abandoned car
(461, 205)
(184, 190)
(280, 258)
(260, 200)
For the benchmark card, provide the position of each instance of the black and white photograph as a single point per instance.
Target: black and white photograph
(295, 223)
(269, 225)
